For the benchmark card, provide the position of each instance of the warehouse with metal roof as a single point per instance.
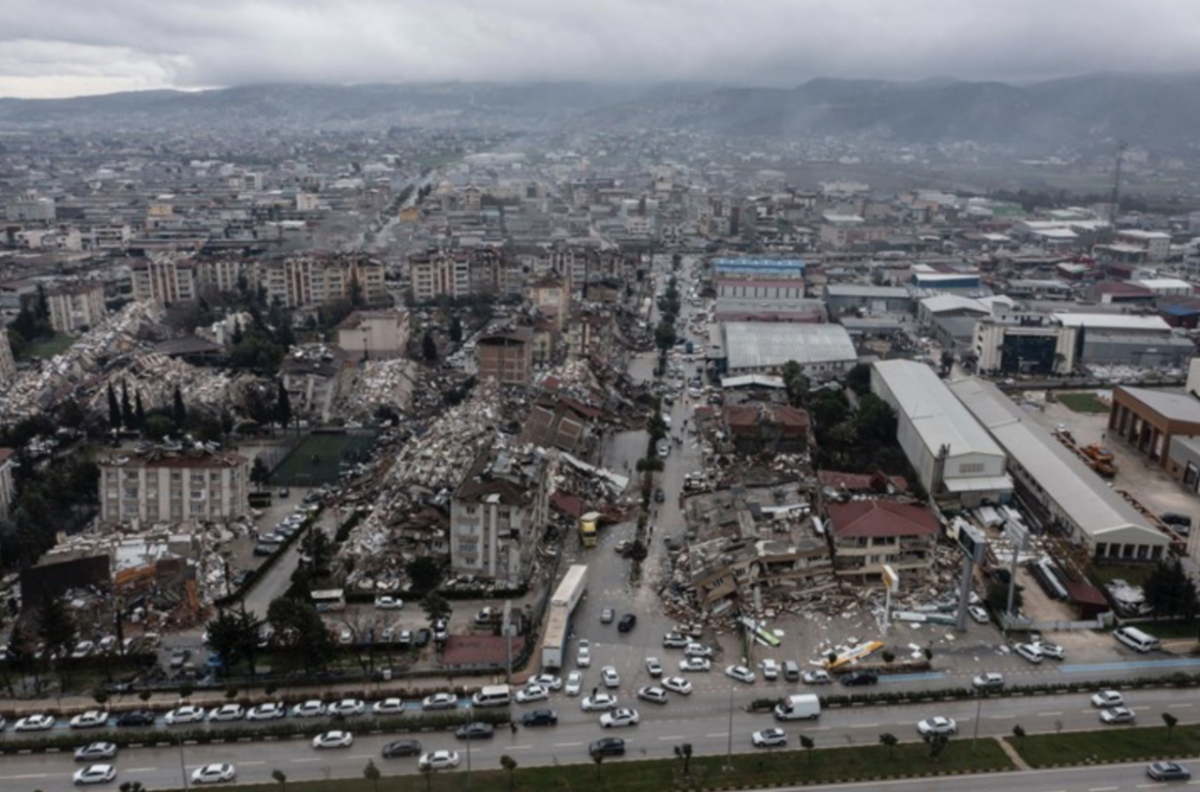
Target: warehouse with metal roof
(951, 453)
(1051, 479)
(824, 351)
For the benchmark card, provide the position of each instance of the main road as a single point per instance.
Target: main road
(683, 719)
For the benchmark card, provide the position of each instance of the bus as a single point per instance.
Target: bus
(329, 600)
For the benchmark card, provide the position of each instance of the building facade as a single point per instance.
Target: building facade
(165, 487)
(374, 335)
(165, 279)
(75, 306)
(506, 357)
(868, 534)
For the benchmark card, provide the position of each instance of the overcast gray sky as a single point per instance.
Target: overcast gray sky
(72, 47)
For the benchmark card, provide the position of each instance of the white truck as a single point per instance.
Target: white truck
(562, 605)
(799, 706)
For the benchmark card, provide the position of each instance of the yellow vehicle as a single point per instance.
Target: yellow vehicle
(587, 528)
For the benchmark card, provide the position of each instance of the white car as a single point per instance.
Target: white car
(654, 667)
(531, 693)
(598, 701)
(583, 655)
(438, 760)
(213, 774)
(333, 739)
(817, 677)
(619, 718)
(1117, 715)
(1052, 650)
(698, 650)
(1108, 698)
(673, 640)
(35, 723)
(770, 669)
(82, 649)
(439, 701)
(740, 673)
(94, 751)
(95, 774)
(654, 694)
(1030, 652)
(347, 707)
(89, 720)
(988, 681)
(979, 614)
(389, 706)
(308, 709)
(185, 714)
(574, 683)
(227, 712)
(548, 681)
(695, 664)
(609, 676)
(938, 725)
(769, 738)
(678, 685)
(270, 711)
(385, 602)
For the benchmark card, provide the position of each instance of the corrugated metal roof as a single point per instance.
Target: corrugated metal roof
(770, 344)
(1112, 321)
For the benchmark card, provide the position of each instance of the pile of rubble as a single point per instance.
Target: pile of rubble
(384, 383)
(121, 333)
(155, 376)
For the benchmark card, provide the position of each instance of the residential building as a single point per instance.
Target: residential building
(506, 356)
(758, 428)
(868, 534)
(7, 492)
(551, 295)
(164, 278)
(310, 281)
(75, 306)
(824, 351)
(953, 456)
(8, 366)
(160, 486)
(1157, 244)
(315, 377)
(499, 514)
(1066, 496)
(29, 207)
(374, 335)
(438, 273)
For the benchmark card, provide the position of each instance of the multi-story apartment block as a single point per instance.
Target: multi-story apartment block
(506, 356)
(164, 278)
(868, 534)
(308, 281)
(75, 306)
(552, 296)
(7, 493)
(438, 273)
(498, 514)
(174, 487)
(374, 335)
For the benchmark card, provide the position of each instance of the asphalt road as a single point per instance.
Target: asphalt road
(695, 719)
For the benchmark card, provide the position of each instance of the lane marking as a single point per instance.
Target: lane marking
(313, 759)
(718, 734)
(680, 737)
(568, 745)
(30, 775)
(1103, 789)
(1051, 714)
(141, 770)
(1180, 706)
(251, 764)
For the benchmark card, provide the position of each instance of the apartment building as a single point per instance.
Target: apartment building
(438, 273)
(551, 295)
(867, 534)
(506, 356)
(499, 513)
(309, 281)
(164, 278)
(7, 492)
(165, 486)
(374, 335)
(75, 306)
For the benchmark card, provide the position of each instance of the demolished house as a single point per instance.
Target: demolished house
(757, 428)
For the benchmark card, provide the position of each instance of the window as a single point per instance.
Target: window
(971, 467)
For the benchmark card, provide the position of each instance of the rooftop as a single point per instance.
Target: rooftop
(1113, 321)
(1176, 405)
(770, 344)
(880, 518)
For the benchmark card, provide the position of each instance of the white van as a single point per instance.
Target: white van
(799, 706)
(1136, 639)
(492, 696)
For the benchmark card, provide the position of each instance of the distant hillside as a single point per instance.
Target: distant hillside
(1162, 112)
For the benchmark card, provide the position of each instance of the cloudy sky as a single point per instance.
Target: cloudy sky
(72, 47)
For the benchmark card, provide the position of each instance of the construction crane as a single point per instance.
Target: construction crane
(1114, 201)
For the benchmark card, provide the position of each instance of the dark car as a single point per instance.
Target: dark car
(402, 748)
(422, 637)
(1168, 771)
(475, 731)
(855, 678)
(541, 717)
(659, 495)
(136, 718)
(607, 746)
(626, 623)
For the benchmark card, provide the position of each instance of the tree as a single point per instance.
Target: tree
(598, 758)
(889, 656)
(356, 292)
(996, 597)
(372, 774)
(234, 637)
(807, 744)
(664, 336)
(300, 629)
(260, 474)
(1019, 732)
(158, 426)
(684, 752)
(280, 777)
(1169, 591)
(178, 411)
(890, 740)
(456, 330)
(795, 383)
(1169, 721)
(56, 628)
(283, 406)
(126, 406)
(424, 574)
(858, 379)
(937, 743)
(114, 409)
(436, 607)
(317, 552)
(429, 348)
(509, 764)
(139, 411)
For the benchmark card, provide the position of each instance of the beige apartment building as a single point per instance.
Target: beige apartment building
(174, 487)
(75, 306)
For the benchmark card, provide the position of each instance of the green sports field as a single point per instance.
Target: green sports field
(317, 460)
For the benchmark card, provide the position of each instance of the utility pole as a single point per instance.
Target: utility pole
(182, 766)
(978, 714)
(729, 748)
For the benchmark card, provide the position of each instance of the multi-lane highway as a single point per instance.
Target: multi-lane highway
(683, 719)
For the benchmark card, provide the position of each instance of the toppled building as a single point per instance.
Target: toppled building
(755, 428)
(174, 485)
(498, 514)
(315, 376)
(867, 534)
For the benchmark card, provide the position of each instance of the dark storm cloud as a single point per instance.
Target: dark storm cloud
(57, 47)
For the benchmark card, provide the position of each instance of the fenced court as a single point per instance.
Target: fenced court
(318, 458)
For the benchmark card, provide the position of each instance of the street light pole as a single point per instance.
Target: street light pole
(729, 748)
(978, 713)
(182, 766)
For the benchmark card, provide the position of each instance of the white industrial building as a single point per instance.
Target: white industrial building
(951, 453)
(1050, 478)
(824, 351)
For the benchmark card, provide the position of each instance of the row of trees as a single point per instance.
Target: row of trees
(32, 322)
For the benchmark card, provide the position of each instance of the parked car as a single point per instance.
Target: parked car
(136, 718)
(739, 673)
(678, 685)
(574, 683)
(694, 649)
(309, 709)
(387, 602)
(695, 664)
(438, 760)
(475, 731)
(439, 701)
(659, 495)
(95, 774)
(979, 614)
(548, 681)
(607, 615)
(598, 701)
(271, 710)
(399, 748)
(333, 739)
(583, 655)
(769, 738)
(989, 681)
(654, 667)
(653, 694)
(770, 669)
(94, 751)
(1051, 650)
(89, 720)
(540, 717)
(1030, 652)
(35, 723)
(213, 774)
(388, 706)
(817, 677)
(674, 640)
(185, 714)
(610, 677)
(180, 657)
(532, 693)
(857, 678)
(227, 712)
(347, 708)
(619, 718)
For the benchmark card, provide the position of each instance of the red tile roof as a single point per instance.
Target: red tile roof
(880, 518)
(5, 453)
(857, 482)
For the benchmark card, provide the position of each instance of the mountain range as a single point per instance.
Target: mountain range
(1155, 111)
